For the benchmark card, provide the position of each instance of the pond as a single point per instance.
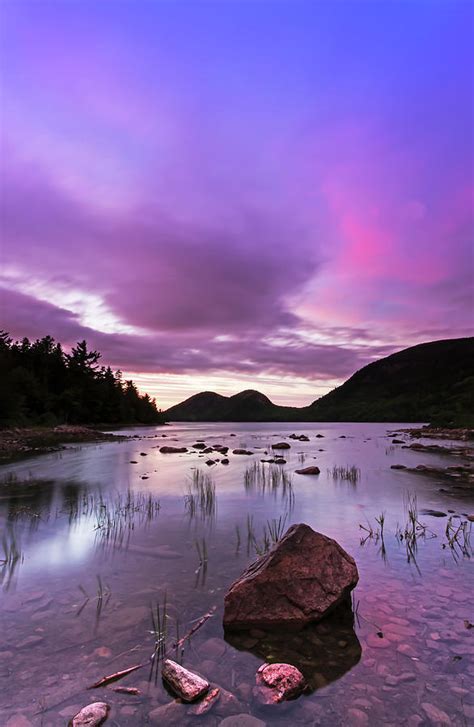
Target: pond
(98, 537)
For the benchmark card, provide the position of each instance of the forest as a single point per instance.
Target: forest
(41, 384)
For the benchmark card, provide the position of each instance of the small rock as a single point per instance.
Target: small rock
(103, 651)
(434, 513)
(242, 720)
(18, 720)
(358, 718)
(29, 642)
(377, 642)
(213, 648)
(283, 680)
(171, 714)
(207, 703)
(224, 461)
(398, 467)
(308, 471)
(435, 715)
(281, 445)
(187, 685)
(199, 445)
(173, 450)
(91, 716)
(241, 451)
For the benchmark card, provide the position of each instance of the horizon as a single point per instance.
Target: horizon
(257, 196)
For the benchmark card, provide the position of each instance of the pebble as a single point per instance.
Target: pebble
(435, 715)
(29, 642)
(103, 651)
(375, 642)
(406, 650)
(242, 720)
(18, 720)
(91, 716)
(213, 648)
(170, 714)
(358, 718)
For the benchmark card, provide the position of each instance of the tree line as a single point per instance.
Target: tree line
(41, 384)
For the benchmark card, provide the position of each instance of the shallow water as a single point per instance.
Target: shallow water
(92, 541)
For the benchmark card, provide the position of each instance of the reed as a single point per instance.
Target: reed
(201, 496)
(347, 473)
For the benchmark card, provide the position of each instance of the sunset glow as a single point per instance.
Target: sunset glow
(237, 195)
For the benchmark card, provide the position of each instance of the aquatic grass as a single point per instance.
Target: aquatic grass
(381, 522)
(237, 534)
(117, 517)
(458, 538)
(201, 496)
(273, 532)
(347, 473)
(201, 571)
(159, 621)
(13, 557)
(102, 598)
(250, 533)
(264, 477)
(413, 529)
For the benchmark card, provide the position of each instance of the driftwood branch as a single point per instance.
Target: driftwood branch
(196, 627)
(115, 676)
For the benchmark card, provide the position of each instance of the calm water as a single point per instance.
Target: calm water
(92, 541)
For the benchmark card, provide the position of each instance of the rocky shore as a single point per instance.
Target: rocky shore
(429, 432)
(23, 442)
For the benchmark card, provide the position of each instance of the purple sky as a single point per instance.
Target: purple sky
(241, 194)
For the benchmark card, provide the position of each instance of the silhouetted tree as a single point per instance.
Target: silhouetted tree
(40, 384)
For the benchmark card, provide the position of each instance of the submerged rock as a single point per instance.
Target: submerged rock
(278, 682)
(242, 720)
(241, 451)
(207, 703)
(308, 471)
(186, 684)
(434, 513)
(91, 716)
(170, 714)
(300, 580)
(173, 450)
(281, 445)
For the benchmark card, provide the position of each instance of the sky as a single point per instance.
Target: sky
(225, 195)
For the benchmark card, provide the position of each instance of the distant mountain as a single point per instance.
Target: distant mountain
(431, 382)
(247, 406)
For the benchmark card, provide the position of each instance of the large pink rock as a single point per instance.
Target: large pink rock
(301, 579)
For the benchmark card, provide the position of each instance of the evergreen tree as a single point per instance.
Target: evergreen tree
(40, 384)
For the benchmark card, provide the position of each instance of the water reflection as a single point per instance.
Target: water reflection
(89, 541)
(323, 651)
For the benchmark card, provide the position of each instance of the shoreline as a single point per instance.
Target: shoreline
(18, 443)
